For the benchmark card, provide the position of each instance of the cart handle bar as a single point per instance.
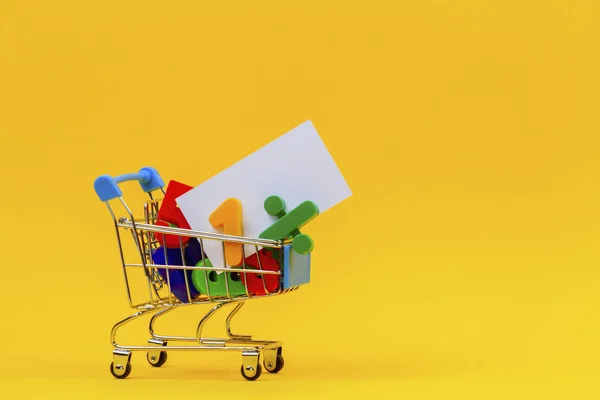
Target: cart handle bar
(107, 187)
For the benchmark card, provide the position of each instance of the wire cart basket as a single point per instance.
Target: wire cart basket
(162, 278)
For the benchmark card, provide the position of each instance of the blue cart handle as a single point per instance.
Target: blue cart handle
(107, 187)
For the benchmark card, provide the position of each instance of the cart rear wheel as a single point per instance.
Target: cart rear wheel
(252, 378)
(120, 373)
(156, 360)
(273, 369)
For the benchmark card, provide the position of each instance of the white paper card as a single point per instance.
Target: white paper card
(296, 166)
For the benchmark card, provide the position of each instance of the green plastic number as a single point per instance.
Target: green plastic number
(216, 281)
(289, 224)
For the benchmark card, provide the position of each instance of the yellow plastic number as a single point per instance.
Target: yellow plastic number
(228, 216)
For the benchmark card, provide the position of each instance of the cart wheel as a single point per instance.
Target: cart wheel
(277, 367)
(120, 373)
(252, 378)
(156, 361)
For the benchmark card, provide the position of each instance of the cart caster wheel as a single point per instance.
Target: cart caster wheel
(119, 372)
(157, 361)
(273, 369)
(255, 376)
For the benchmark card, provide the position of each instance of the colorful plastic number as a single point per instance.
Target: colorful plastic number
(216, 281)
(228, 216)
(169, 214)
(177, 276)
(289, 224)
(193, 252)
(253, 281)
(169, 210)
(295, 268)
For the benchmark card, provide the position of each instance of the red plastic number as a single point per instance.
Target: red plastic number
(170, 214)
(169, 211)
(253, 281)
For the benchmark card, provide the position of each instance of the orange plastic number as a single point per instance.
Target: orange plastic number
(228, 216)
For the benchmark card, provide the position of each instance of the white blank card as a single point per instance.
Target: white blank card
(296, 166)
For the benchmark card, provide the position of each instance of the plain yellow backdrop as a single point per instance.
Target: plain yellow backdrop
(465, 265)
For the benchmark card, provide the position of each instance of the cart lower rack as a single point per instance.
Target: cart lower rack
(171, 284)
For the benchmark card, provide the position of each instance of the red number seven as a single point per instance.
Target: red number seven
(169, 213)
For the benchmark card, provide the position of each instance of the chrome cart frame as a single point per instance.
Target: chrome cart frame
(161, 301)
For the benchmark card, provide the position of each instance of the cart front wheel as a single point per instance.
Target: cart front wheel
(157, 359)
(273, 369)
(119, 372)
(252, 377)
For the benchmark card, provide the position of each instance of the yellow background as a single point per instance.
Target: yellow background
(465, 265)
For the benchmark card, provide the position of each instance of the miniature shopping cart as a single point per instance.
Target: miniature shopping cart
(140, 235)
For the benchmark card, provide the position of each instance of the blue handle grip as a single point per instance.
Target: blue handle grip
(107, 187)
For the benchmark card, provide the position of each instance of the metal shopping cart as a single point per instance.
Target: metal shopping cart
(158, 278)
